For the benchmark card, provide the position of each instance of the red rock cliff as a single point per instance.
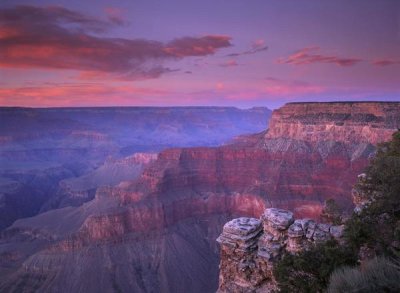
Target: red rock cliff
(348, 122)
(311, 152)
(154, 234)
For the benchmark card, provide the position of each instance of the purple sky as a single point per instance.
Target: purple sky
(182, 52)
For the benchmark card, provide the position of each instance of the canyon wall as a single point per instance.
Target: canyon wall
(310, 153)
(57, 157)
(157, 233)
(345, 122)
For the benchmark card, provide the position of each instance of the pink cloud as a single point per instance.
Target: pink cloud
(115, 15)
(258, 44)
(58, 38)
(60, 95)
(271, 89)
(229, 63)
(201, 46)
(385, 62)
(220, 86)
(256, 47)
(311, 55)
(279, 87)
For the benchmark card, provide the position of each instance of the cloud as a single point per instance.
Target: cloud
(202, 46)
(311, 55)
(51, 18)
(280, 87)
(115, 15)
(79, 94)
(385, 62)
(229, 63)
(258, 44)
(57, 38)
(219, 86)
(256, 47)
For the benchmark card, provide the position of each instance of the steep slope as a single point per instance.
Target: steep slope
(311, 152)
(77, 190)
(157, 233)
(43, 151)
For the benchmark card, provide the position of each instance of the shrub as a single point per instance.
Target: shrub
(310, 270)
(377, 226)
(332, 212)
(378, 275)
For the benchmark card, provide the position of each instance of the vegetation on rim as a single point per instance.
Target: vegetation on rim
(375, 227)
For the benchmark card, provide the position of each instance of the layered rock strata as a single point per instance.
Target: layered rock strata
(250, 247)
(157, 233)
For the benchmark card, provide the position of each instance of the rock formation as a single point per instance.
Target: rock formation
(250, 247)
(341, 122)
(311, 152)
(157, 233)
(56, 157)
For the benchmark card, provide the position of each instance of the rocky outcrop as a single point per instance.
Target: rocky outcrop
(250, 247)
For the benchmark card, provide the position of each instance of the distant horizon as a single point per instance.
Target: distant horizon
(202, 106)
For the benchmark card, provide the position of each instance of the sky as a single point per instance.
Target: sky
(240, 53)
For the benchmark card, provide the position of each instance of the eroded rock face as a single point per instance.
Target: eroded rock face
(39, 148)
(311, 152)
(251, 269)
(157, 232)
(348, 122)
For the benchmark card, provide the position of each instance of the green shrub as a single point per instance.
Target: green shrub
(310, 270)
(377, 275)
(378, 225)
(332, 212)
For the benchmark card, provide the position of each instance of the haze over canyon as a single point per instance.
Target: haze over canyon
(149, 222)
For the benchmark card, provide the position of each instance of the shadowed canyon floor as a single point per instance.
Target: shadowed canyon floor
(156, 233)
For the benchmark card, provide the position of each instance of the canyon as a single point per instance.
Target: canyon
(56, 157)
(156, 231)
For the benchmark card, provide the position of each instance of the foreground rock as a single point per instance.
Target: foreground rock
(250, 248)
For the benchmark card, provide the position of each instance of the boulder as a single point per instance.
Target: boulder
(277, 218)
(241, 233)
(321, 233)
(296, 229)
